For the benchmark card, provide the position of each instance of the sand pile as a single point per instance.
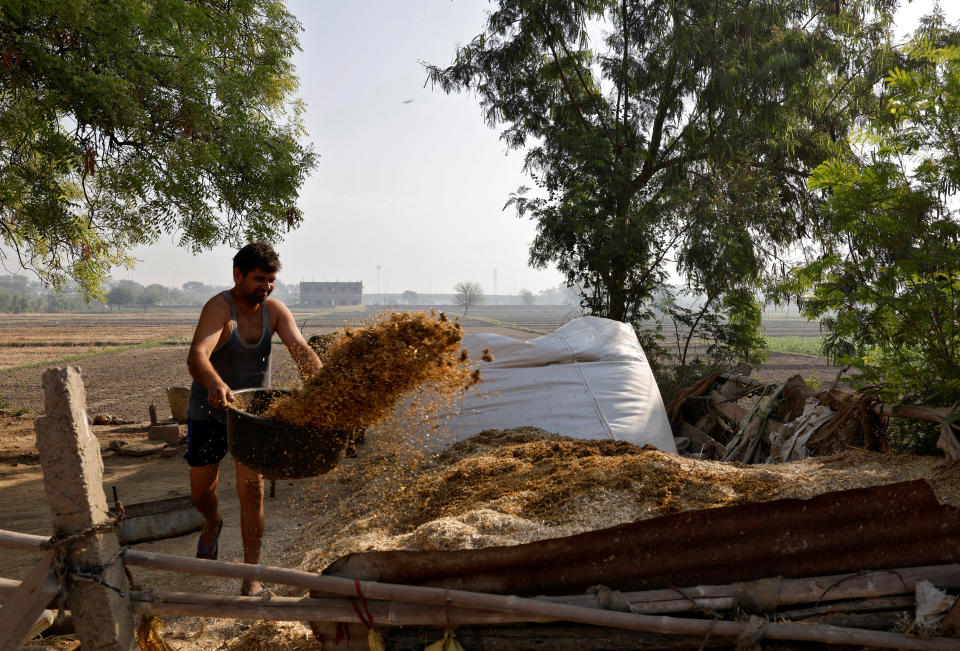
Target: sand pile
(515, 486)
(367, 370)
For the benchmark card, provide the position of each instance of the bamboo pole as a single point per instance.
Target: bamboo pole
(901, 602)
(876, 583)
(823, 589)
(315, 610)
(25, 541)
(530, 607)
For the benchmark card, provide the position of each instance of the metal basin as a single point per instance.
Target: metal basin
(279, 450)
(159, 519)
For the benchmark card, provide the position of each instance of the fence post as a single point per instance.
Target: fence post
(91, 570)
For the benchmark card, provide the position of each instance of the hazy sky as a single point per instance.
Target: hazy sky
(414, 187)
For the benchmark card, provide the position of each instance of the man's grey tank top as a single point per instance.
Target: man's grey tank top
(239, 364)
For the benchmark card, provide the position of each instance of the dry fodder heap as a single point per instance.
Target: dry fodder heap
(367, 370)
(516, 486)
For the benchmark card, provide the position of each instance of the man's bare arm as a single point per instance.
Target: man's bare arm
(305, 357)
(215, 314)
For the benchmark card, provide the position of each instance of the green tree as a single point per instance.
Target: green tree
(527, 297)
(410, 297)
(18, 284)
(123, 120)
(63, 302)
(151, 295)
(687, 132)
(887, 278)
(120, 295)
(467, 294)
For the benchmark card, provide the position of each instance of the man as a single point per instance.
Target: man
(231, 351)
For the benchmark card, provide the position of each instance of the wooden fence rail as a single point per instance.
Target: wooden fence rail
(516, 608)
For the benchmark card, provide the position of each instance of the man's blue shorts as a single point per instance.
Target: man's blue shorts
(206, 442)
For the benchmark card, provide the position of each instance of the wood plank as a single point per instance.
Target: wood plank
(700, 441)
(27, 603)
(735, 413)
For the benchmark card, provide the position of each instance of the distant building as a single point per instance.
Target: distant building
(331, 294)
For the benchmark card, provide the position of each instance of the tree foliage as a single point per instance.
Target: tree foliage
(121, 295)
(686, 132)
(886, 279)
(123, 120)
(467, 294)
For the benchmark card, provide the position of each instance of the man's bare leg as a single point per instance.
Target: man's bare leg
(203, 489)
(250, 492)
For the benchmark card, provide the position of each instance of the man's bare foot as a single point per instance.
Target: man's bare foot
(253, 589)
(209, 542)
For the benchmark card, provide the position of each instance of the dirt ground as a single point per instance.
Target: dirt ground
(123, 384)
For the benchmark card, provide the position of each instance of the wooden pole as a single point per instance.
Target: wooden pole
(24, 541)
(29, 600)
(837, 587)
(85, 537)
(884, 409)
(530, 607)
(814, 590)
(820, 588)
(302, 609)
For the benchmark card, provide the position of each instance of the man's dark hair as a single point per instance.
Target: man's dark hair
(257, 255)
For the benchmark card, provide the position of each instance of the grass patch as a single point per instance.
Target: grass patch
(91, 353)
(797, 345)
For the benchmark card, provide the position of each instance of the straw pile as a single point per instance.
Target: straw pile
(506, 487)
(515, 486)
(367, 370)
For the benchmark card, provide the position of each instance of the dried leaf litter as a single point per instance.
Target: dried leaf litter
(368, 370)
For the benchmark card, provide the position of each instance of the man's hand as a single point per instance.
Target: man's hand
(219, 395)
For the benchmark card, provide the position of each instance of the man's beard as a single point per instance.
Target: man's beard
(256, 297)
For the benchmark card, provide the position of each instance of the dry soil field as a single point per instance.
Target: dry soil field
(128, 360)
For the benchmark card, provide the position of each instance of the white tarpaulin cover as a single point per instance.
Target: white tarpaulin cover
(589, 379)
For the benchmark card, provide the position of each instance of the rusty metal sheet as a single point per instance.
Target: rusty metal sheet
(898, 525)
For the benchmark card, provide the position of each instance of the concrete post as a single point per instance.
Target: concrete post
(73, 479)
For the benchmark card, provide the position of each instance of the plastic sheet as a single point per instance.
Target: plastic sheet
(589, 379)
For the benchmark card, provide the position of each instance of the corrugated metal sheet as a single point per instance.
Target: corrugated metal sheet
(898, 525)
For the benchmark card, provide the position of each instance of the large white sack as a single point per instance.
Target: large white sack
(589, 379)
